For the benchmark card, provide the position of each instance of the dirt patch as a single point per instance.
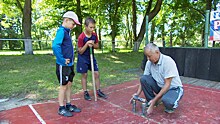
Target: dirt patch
(10, 103)
(6, 104)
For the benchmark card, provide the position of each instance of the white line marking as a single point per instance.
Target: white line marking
(120, 107)
(122, 89)
(37, 115)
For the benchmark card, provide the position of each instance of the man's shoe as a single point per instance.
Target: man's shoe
(73, 108)
(169, 110)
(101, 94)
(65, 112)
(87, 96)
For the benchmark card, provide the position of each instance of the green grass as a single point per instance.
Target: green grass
(21, 75)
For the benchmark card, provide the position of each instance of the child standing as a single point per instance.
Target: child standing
(64, 52)
(88, 39)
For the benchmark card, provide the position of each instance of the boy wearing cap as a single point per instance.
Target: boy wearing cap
(88, 39)
(64, 52)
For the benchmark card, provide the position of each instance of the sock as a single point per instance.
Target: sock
(68, 104)
(61, 107)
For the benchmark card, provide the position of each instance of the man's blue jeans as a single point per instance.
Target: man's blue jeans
(170, 99)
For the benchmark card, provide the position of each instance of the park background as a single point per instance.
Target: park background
(121, 28)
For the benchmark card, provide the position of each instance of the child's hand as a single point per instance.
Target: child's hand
(67, 61)
(90, 43)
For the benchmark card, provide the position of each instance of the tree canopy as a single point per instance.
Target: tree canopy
(171, 22)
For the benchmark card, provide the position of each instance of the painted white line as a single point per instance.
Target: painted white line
(128, 111)
(54, 101)
(37, 115)
(123, 88)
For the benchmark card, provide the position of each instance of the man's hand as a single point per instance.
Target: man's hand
(151, 107)
(67, 61)
(130, 101)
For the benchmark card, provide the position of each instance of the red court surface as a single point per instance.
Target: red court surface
(198, 105)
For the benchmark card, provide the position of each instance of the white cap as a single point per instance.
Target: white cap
(72, 15)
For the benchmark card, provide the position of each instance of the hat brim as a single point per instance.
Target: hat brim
(77, 22)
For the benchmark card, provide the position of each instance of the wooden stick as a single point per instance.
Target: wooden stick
(93, 74)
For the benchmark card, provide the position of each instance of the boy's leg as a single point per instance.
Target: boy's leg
(61, 95)
(149, 86)
(171, 98)
(84, 86)
(62, 109)
(62, 92)
(70, 74)
(84, 81)
(68, 92)
(69, 106)
(97, 82)
(82, 67)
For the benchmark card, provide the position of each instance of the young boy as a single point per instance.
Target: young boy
(64, 52)
(88, 39)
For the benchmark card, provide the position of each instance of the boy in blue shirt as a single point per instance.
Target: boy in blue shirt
(88, 39)
(64, 52)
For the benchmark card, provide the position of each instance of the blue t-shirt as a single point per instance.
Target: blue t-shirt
(62, 46)
(82, 39)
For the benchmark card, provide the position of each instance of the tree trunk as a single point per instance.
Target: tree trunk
(151, 15)
(11, 45)
(113, 40)
(27, 19)
(208, 5)
(152, 31)
(171, 39)
(203, 37)
(113, 22)
(100, 36)
(136, 46)
(1, 41)
(40, 46)
(26, 25)
(1, 44)
(213, 44)
(163, 36)
(78, 12)
(134, 15)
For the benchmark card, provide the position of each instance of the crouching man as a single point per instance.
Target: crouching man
(161, 81)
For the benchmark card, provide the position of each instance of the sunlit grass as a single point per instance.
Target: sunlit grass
(21, 75)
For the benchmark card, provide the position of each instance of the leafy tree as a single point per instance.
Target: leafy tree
(151, 14)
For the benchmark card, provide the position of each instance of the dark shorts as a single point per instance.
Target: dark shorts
(64, 74)
(84, 66)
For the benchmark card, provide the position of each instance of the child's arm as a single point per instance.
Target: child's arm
(96, 42)
(56, 46)
(82, 49)
(96, 45)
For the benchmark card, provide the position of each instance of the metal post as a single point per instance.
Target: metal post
(207, 28)
(146, 31)
(102, 45)
(134, 105)
(143, 108)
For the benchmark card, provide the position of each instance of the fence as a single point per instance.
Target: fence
(36, 45)
(196, 62)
